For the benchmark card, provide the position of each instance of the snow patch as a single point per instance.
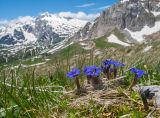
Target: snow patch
(29, 37)
(87, 45)
(47, 59)
(147, 48)
(139, 35)
(56, 48)
(113, 39)
(61, 45)
(83, 44)
(26, 66)
(122, 1)
(87, 48)
(97, 52)
(155, 13)
(68, 45)
(147, 10)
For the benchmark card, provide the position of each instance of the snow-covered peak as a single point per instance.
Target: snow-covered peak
(18, 23)
(122, 1)
(62, 24)
(46, 26)
(45, 14)
(62, 19)
(26, 19)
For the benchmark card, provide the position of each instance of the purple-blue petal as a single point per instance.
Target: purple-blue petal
(92, 71)
(139, 73)
(117, 63)
(107, 64)
(73, 73)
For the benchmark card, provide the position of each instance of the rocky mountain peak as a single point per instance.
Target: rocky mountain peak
(130, 16)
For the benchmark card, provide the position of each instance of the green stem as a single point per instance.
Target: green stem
(88, 79)
(77, 83)
(115, 72)
(108, 74)
(133, 83)
(96, 80)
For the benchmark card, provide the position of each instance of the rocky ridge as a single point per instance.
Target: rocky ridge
(132, 17)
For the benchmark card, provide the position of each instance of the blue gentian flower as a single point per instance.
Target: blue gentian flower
(117, 63)
(86, 70)
(73, 73)
(137, 72)
(92, 71)
(105, 66)
(107, 63)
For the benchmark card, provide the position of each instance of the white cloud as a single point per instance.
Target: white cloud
(86, 5)
(22, 19)
(103, 7)
(79, 15)
(3, 22)
(28, 19)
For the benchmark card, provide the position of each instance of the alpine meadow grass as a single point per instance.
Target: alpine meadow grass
(24, 93)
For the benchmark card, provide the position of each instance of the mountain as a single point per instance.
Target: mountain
(126, 23)
(46, 28)
(138, 20)
(29, 36)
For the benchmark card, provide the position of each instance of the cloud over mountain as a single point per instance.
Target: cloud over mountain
(86, 5)
(79, 15)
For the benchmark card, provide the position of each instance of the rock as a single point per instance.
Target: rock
(82, 33)
(154, 36)
(45, 34)
(149, 92)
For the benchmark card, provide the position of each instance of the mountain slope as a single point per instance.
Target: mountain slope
(29, 36)
(135, 18)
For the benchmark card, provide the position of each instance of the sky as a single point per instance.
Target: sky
(12, 9)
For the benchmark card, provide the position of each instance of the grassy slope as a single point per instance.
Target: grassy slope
(120, 35)
(32, 103)
(102, 43)
(70, 51)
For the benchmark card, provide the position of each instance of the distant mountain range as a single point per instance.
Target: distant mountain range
(127, 22)
(46, 28)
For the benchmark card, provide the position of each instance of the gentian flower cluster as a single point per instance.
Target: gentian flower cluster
(108, 67)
